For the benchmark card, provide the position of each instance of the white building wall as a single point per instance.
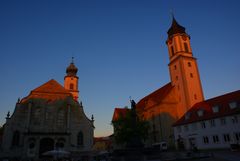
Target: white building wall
(196, 132)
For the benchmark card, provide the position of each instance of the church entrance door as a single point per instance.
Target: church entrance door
(46, 144)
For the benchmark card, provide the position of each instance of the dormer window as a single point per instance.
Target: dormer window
(215, 109)
(187, 115)
(233, 104)
(200, 112)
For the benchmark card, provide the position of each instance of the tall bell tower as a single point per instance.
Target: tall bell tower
(183, 68)
(71, 80)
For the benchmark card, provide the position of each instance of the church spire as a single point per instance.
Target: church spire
(72, 69)
(72, 59)
(175, 28)
(183, 68)
(71, 80)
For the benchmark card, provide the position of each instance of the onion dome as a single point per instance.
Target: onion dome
(71, 69)
(175, 28)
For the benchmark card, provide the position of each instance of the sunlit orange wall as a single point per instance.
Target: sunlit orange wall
(168, 105)
(184, 77)
(72, 80)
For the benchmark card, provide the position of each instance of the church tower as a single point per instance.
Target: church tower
(71, 80)
(183, 68)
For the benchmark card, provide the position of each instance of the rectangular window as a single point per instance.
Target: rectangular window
(203, 125)
(172, 50)
(215, 139)
(195, 96)
(237, 136)
(226, 137)
(154, 127)
(186, 47)
(191, 75)
(205, 140)
(189, 64)
(234, 119)
(175, 67)
(179, 129)
(223, 121)
(194, 126)
(71, 86)
(212, 123)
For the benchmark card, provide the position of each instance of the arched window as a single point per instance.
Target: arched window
(172, 50)
(186, 47)
(71, 86)
(80, 138)
(31, 143)
(16, 138)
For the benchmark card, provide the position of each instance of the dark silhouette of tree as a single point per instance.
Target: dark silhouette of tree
(129, 126)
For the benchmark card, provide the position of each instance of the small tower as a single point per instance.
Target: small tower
(183, 68)
(71, 80)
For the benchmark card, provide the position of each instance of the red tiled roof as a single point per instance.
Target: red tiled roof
(50, 90)
(221, 101)
(119, 112)
(156, 96)
(51, 86)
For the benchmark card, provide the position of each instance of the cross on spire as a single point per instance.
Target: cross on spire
(72, 59)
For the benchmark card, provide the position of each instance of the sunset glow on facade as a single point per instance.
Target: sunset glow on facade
(129, 80)
(119, 48)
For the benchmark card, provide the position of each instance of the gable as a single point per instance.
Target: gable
(51, 86)
(50, 91)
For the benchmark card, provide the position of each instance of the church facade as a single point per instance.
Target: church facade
(167, 104)
(170, 102)
(50, 117)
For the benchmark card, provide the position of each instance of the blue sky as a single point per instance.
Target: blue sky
(118, 45)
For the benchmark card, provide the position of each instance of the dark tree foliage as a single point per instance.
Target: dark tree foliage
(1, 129)
(123, 130)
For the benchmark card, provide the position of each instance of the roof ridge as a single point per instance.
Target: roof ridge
(220, 96)
(51, 90)
(51, 82)
(163, 88)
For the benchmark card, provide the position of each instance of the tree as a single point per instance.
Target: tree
(129, 126)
